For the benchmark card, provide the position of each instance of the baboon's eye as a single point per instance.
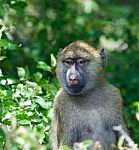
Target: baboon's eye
(68, 62)
(82, 62)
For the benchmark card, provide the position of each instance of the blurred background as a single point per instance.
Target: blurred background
(31, 34)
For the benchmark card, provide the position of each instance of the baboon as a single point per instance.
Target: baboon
(86, 106)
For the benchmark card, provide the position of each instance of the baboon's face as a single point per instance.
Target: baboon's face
(79, 67)
(75, 74)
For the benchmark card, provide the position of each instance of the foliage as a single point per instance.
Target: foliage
(29, 99)
(32, 32)
(78, 146)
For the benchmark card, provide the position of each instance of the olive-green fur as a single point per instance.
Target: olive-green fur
(90, 114)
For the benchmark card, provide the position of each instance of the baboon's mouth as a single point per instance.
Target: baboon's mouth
(76, 89)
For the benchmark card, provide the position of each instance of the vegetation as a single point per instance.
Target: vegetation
(31, 34)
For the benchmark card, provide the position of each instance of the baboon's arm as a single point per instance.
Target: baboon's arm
(55, 129)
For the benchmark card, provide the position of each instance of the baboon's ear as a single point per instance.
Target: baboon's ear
(103, 56)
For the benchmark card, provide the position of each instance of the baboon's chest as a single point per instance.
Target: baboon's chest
(84, 116)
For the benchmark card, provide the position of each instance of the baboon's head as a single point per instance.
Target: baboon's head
(80, 67)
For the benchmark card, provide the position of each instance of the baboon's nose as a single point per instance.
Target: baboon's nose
(73, 79)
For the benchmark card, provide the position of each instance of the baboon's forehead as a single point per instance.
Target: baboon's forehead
(76, 53)
(78, 50)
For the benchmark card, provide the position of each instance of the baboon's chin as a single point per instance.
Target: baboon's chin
(75, 90)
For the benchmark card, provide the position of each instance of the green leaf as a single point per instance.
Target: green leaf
(21, 72)
(65, 148)
(3, 82)
(1, 110)
(7, 45)
(87, 143)
(41, 102)
(4, 43)
(38, 76)
(1, 73)
(2, 57)
(19, 6)
(12, 46)
(31, 83)
(42, 65)
(2, 12)
(53, 61)
(134, 104)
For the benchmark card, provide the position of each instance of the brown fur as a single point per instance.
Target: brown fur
(91, 114)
